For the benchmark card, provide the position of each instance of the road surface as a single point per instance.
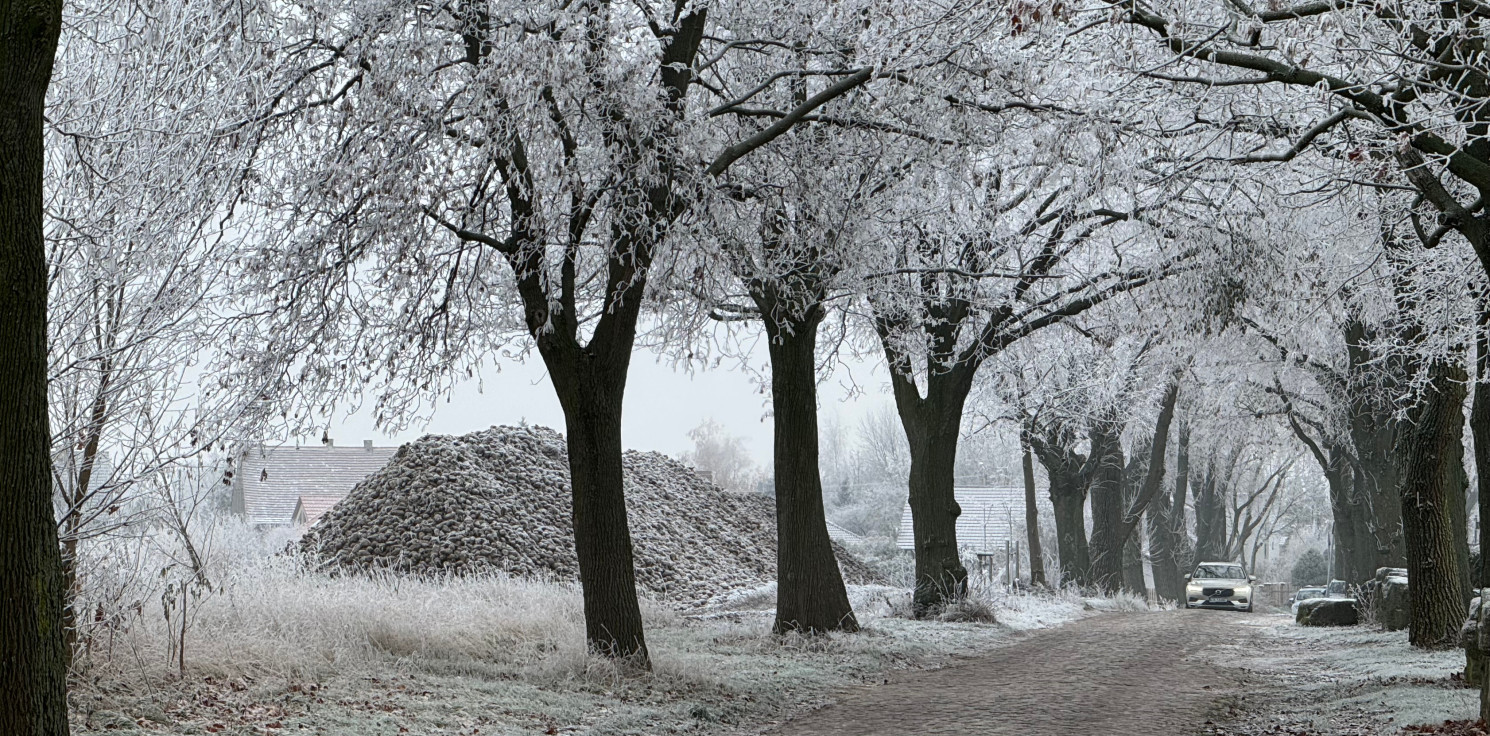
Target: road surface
(1118, 674)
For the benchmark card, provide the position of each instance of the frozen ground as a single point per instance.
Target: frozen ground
(278, 650)
(1352, 681)
(281, 651)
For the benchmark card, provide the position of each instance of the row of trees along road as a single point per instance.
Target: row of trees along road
(1385, 96)
(404, 192)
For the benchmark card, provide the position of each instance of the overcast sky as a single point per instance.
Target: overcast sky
(662, 404)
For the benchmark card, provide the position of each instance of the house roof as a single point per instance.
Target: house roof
(271, 481)
(310, 509)
(990, 515)
(839, 534)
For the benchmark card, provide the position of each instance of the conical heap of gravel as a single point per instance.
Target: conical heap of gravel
(499, 500)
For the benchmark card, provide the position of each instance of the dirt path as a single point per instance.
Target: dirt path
(1112, 674)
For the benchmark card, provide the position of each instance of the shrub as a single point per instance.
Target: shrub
(1310, 569)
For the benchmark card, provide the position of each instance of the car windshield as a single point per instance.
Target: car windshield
(1308, 593)
(1221, 572)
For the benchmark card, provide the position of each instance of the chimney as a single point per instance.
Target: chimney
(367, 444)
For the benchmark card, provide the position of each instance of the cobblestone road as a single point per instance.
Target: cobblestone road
(1117, 674)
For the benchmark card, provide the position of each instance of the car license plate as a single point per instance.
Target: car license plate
(1218, 599)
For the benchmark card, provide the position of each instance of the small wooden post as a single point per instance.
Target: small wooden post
(1017, 571)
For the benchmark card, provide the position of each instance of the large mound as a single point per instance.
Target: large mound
(499, 500)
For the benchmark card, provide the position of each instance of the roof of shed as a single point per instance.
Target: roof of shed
(310, 509)
(839, 534)
(274, 479)
(990, 515)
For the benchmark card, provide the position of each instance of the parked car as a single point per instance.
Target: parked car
(1219, 585)
(1306, 594)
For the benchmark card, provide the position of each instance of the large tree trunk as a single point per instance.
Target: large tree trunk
(1069, 500)
(1458, 488)
(1210, 517)
(1374, 434)
(810, 595)
(1356, 550)
(1147, 488)
(1184, 549)
(1133, 580)
(933, 432)
(1106, 491)
(1032, 519)
(1169, 582)
(33, 658)
(1068, 495)
(602, 536)
(932, 427)
(1435, 601)
(1479, 427)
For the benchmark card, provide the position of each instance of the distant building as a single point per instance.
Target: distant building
(839, 534)
(990, 516)
(310, 509)
(278, 486)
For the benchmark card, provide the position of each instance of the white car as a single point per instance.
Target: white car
(1306, 594)
(1219, 585)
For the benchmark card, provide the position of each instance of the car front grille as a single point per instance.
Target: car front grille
(1217, 591)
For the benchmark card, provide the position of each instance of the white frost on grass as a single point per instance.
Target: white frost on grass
(1015, 611)
(275, 643)
(1340, 672)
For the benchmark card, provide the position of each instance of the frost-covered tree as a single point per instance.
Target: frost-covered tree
(982, 255)
(1397, 89)
(724, 455)
(142, 245)
(1392, 96)
(451, 181)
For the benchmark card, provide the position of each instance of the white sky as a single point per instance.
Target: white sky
(662, 404)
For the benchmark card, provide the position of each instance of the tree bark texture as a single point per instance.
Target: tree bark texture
(1434, 440)
(602, 534)
(1133, 580)
(1032, 519)
(1184, 549)
(810, 594)
(1146, 484)
(1479, 427)
(1356, 550)
(1210, 517)
(1355, 544)
(33, 658)
(932, 427)
(1169, 582)
(1106, 491)
(1063, 466)
(1458, 489)
(1374, 435)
